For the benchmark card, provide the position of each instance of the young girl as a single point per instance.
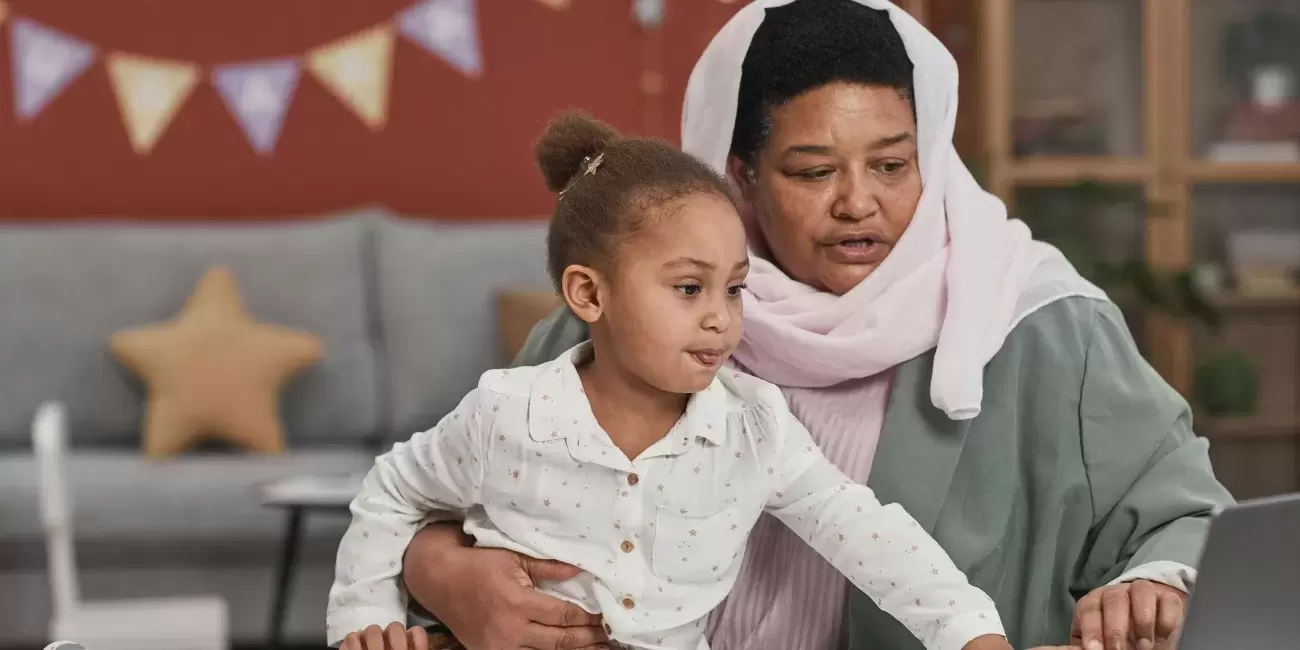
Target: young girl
(639, 457)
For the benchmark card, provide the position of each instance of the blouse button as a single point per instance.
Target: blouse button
(628, 603)
(633, 479)
(627, 546)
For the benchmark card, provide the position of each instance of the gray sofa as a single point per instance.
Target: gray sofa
(406, 310)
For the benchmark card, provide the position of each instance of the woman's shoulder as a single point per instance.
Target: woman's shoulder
(1065, 329)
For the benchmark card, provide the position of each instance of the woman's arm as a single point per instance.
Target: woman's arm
(1152, 486)
(1153, 492)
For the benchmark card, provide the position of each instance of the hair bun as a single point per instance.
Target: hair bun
(570, 138)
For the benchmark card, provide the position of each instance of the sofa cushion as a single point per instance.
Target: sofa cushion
(65, 289)
(438, 286)
(182, 507)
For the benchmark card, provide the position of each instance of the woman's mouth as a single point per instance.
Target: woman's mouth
(864, 250)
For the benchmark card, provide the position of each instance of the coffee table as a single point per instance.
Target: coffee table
(298, 496)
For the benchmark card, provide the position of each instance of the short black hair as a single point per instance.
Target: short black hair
(808, 44)
(609, 186)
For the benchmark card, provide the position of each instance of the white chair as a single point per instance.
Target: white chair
(191, 623)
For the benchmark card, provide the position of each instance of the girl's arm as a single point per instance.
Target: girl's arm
(880, 548)
(437, 473)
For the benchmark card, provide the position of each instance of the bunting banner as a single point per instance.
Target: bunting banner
(356, 69)
(258, 95)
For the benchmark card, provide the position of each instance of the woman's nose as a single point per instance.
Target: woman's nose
(856, 198)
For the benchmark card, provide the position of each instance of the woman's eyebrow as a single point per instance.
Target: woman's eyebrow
(824, 150)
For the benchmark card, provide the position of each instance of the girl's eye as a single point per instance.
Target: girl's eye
(689, 290)
(734, 290)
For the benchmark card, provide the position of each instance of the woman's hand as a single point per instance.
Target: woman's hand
(1137, 615)
(486, 597)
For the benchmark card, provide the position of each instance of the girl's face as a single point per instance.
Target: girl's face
(837, 184)
(672, 309)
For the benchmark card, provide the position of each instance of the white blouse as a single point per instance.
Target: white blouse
(659, 537)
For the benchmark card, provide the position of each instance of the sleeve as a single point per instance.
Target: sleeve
(437, 471)
(1152, 487)
(554, 334)
(878, 547)
(558, 332)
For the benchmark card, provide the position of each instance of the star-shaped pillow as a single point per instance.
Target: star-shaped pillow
(214, 372)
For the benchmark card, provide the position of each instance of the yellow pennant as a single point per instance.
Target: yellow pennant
(358, 69)
(150, 92)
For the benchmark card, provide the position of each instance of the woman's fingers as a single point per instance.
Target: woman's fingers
(1143, 603)
(1169, 614)
(351, 642)
(562, 638)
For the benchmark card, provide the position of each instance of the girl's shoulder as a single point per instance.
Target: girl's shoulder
(748, 394)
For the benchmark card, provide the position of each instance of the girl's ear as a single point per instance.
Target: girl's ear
(580, 288)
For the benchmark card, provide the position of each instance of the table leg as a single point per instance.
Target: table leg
(284, 574)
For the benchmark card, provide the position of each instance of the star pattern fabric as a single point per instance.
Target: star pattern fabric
(659, 537)
(214, 372)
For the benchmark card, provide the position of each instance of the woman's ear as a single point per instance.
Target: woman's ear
(580, 288)
(741, 175)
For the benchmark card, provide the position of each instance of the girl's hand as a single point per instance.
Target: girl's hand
(394, 637)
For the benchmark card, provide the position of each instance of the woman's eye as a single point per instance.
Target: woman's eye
(892, 167)
(689, 290)
(734, 290)
(816, 174)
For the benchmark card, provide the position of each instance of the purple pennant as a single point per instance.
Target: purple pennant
(45, 61)
(449, 29)
(258, 95)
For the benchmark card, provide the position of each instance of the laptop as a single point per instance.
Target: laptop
(1247, 592)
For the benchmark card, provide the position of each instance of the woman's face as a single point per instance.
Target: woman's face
(837, 183)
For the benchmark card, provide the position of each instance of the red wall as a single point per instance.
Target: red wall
(454, 147)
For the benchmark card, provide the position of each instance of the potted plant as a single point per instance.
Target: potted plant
(1081, 220)
(1261, 55)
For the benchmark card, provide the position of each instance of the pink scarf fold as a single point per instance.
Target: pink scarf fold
(959, 279)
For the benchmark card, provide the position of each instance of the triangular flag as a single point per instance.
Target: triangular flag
(150, 92)
(358, 70)
(258, 95)
(449, 29)
(45, 61)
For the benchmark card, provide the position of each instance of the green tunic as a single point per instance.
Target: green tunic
(1081, 465)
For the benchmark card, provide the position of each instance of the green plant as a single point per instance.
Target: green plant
(1267, 38)
(1062, 217)
(1225, 384)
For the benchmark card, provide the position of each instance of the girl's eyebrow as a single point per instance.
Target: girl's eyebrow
(692, 262)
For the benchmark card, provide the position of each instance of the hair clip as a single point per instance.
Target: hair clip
(589, 166)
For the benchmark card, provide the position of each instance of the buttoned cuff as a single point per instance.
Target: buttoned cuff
(341, 623)
(967, 627)
(1175, 574)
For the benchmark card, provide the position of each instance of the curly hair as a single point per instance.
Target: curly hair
(808, 44)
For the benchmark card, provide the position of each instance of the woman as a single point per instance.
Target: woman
(1020, 425)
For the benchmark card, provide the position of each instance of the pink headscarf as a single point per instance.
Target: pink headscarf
(960, 278)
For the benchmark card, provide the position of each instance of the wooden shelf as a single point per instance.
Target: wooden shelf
(1210, 171)
(1035, 170)
(1250, 428)
(1234, 300)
